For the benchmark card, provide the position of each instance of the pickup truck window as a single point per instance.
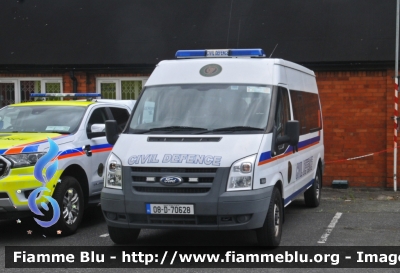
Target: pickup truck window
(121, 115)
(41, 119)
(98, 116)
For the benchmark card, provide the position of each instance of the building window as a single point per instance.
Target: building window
(7, 93)
(120, 88)
(18, 90)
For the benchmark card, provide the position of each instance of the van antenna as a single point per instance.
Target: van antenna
(273, 51)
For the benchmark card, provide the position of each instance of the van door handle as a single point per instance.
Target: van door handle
(87, 150)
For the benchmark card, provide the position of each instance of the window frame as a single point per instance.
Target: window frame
(118, 83)
(43, 81)
(305, 125)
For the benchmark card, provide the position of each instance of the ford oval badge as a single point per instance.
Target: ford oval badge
(171, 180)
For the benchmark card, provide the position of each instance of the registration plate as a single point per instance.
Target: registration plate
(169, 209)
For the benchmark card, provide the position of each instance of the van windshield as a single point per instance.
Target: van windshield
(202, 109)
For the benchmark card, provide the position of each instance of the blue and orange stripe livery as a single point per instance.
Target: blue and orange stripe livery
(267, 158)
(79, 151)
(30, 147)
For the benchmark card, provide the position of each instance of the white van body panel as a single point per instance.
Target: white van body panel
(239, 70)
(177, 154)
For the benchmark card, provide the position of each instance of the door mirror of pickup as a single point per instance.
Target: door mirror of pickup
(292, 133)
(97, 130)
(111, 131)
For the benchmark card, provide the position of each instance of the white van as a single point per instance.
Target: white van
(218, 140)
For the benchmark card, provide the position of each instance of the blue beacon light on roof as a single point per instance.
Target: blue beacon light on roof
(212, 53)
(83, 95)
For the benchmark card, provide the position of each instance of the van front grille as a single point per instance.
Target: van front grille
(194, 180)
(185, 179)
(171, 190)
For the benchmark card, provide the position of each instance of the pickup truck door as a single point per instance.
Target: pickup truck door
(97, 142)
(96, 148)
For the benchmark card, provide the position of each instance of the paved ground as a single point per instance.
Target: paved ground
(360, 217)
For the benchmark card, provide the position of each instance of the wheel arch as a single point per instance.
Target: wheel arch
(319, 166)
(79, 174)
(279, 185)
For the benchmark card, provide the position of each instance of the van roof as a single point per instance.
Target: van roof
(293, 65)
(233, 70)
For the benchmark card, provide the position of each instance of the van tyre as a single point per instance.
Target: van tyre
(122, 236)
(69, 196)
(312, 196)
(269, 234)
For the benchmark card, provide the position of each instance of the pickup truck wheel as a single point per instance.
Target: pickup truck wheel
(69, 197)
(123, 236)
(270, 233)
(312, 196)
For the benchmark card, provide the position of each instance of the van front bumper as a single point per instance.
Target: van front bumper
(238, 210)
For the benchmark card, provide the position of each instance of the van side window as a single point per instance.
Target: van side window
(282, 114)
(312, 112)
(306, 110)
(298, 110)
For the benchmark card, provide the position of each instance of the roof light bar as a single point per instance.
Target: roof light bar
(190, 54)
(82, 95)
(213, 53)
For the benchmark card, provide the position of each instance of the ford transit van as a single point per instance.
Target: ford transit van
(218, 140)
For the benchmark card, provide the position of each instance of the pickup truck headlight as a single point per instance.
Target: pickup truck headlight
(23, 160)
(241, 175)
(113, 177)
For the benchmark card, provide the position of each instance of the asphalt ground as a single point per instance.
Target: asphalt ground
(361, 217)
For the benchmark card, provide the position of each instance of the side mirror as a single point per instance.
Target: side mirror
(292, 129)
(98, 127)
(111, 131)
(292, 133)
(96, 130)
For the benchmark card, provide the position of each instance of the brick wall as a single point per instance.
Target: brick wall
(356, 110)
(357, 107)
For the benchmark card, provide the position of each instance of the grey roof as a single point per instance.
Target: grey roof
(143, 32)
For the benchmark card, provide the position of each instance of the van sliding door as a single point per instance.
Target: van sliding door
(284, 152)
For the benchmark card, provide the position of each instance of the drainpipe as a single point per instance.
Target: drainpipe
(396, 77)
(74, 82)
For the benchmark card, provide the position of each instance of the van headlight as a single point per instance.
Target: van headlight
(241, 175)
(23, 160)
(113, 177)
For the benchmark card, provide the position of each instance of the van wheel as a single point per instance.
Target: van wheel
(270, 233)
(69, 197)
(123, 236)
(312, 196)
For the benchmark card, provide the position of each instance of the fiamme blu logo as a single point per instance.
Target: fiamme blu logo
(44, 171)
